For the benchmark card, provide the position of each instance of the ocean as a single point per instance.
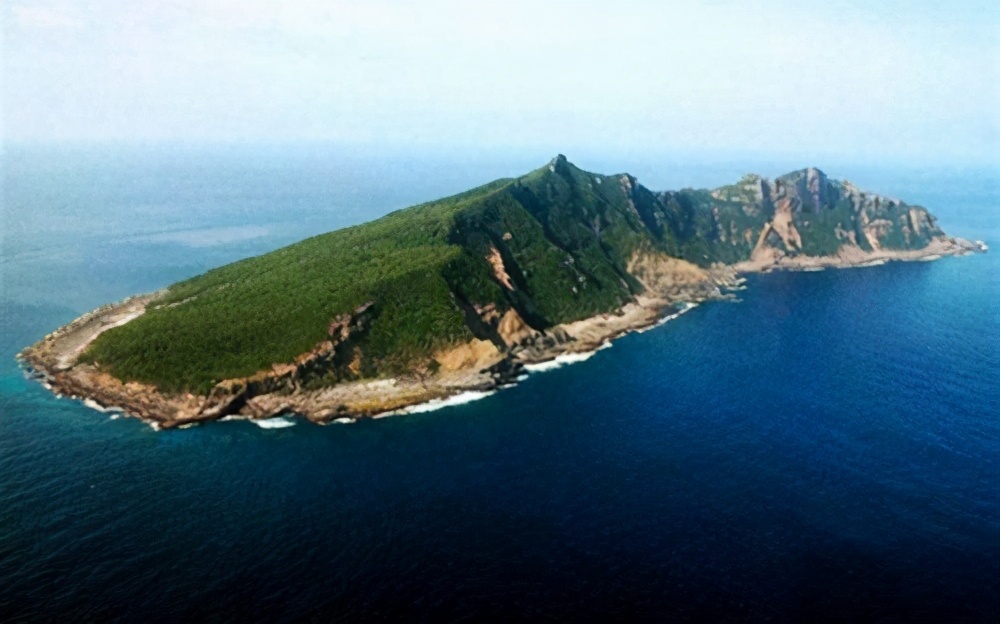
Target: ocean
(825, 449)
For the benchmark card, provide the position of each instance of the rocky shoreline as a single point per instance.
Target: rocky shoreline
(477, 366)
(854, 257)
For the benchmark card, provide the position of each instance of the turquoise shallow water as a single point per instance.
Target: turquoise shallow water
(826, 449)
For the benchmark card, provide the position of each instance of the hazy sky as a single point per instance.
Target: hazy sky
(914, 81)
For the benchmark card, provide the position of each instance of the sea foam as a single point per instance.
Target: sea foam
(559, 361)
(685, 307)
(278, 422)
(92, 404)
(435, 404)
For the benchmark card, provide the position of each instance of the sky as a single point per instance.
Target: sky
(904, 81)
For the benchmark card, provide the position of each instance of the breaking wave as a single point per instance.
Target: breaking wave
(684, 308)
(559, 361)
(278, 422)
(435, 404)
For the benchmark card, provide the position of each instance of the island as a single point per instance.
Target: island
(461, 294)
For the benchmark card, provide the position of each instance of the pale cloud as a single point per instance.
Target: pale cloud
(44, 18)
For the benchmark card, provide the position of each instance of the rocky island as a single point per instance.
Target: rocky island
(461, 294)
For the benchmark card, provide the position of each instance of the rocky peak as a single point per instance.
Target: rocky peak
(757, 185)
(810, 186)
(559, 164)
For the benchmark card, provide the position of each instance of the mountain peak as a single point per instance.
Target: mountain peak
(808, 173)
(559, 164)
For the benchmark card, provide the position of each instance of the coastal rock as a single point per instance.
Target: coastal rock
(513, 330)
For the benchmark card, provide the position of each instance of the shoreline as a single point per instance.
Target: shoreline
(853, 257)
(398, 396)
(52, 360)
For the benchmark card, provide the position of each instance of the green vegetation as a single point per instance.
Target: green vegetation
(824, 231)
(564, 237)
(715, 230)
(242, 317)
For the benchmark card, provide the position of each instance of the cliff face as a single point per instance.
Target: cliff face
(832, 214)
(476, 279)
(802, 213)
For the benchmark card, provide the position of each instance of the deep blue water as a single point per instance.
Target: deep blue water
(826, 449)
